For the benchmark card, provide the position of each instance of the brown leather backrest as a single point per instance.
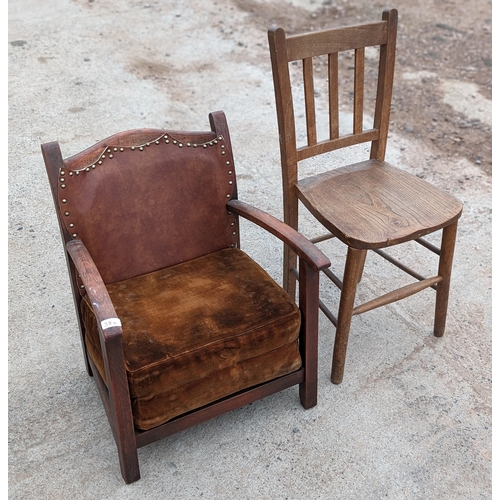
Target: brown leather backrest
(147, 199)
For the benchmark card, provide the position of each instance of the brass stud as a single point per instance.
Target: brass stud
(64, 200)
(232, 245)
(180, 144)
(82, 286)
(74, 235)
(157, 142)
(111, 156)
(228, 196)
(66, 214)
(109, 150)
(188, 144)
(87, 169)
(115, 149)
(141, 148)
(167, 141)
(232, 223)
(223, 152)
(100, 162)
(62, 172)
(77, 172)
(93, 166)
(230, 182)
(230, 172)
(133, 148)
(61, 179)
(121, 149)
(148, 144)
(71, 225)
(220, 137)
(234, 233)
(174, 141)
(63, 186)
(204, 145)
(222, 146)
(228, 163)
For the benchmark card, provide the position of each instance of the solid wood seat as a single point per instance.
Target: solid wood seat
(372, 204)
(367, 205)
(178, 325)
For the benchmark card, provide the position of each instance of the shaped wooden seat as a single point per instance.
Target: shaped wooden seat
(369, 205)
(178, 324)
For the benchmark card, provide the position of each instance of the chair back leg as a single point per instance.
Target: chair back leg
(362, 265)
(291, 217)
(443, 287)
(289, 277)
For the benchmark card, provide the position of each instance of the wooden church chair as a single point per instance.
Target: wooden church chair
(368, 205)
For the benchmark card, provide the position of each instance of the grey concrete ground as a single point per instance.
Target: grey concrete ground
(412, 419)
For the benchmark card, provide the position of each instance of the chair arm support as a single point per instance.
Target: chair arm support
(96, 289)
(305, 250)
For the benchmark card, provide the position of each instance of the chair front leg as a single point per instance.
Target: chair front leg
(353, 266)
(443, 287)
(309, 308)
(119, 407)
(121, 410)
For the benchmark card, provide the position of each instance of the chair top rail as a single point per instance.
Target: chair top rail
(336, 40)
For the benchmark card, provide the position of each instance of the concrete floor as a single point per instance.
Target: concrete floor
(412, 419)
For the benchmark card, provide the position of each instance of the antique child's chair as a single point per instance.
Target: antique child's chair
(178, 325)
(368, 205)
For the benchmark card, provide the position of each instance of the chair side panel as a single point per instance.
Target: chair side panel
(149, 206)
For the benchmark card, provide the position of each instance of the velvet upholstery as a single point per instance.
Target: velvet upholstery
(177, 324)
(199, 331)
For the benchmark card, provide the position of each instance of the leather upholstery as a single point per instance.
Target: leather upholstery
(142, 195)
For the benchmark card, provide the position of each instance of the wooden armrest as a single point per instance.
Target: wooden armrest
(102, 306)
(305, 250)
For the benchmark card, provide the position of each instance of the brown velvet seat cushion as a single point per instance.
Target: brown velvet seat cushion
(199, 331)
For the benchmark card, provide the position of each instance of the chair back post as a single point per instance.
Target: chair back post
(385, 83)
(218, 124)
(286, 123)
(54, 163)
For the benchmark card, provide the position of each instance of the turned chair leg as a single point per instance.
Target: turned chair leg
(443, 287)
(362, 265)
(354, 262)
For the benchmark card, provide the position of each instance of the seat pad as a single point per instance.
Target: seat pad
(197, 332)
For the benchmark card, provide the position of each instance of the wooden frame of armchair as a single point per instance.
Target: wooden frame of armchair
(114, 389)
